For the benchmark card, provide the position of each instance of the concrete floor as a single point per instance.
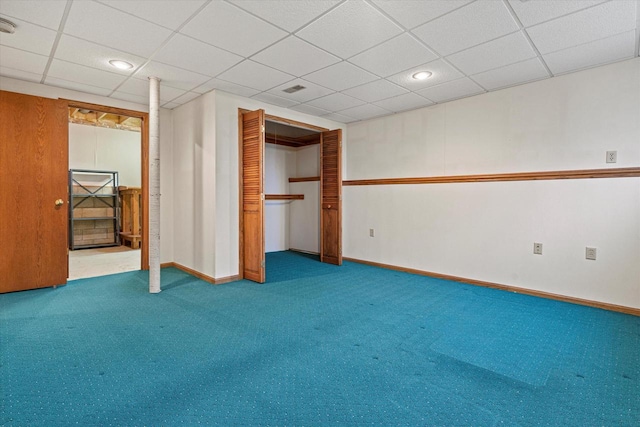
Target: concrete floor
(94, 262)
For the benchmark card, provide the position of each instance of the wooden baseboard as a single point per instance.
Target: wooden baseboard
(199, 275)
(515, 289)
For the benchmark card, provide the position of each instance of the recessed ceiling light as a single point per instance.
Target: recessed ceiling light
(7, 27)
(422, 75)
(123, 65)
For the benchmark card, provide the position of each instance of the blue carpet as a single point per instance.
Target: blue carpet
(316, 345)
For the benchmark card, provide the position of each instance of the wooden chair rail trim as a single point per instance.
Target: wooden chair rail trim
(597, 304)
(521, 176)
(284, 196)
(201, 276)
(305, 179)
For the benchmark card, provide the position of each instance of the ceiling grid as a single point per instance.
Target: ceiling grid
(355, 58)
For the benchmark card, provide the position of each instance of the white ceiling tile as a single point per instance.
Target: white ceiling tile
(74, 85)
(172, 76)
(411, 13)
(308, 109)
(170, 105)
(84, 75)
(375, 91)
(109, 27)
(511, 75)
(129, 97)
(254, 75)
(442, 72)
(226, 87)
(310, 91)
(335, 102)
(340, 118)
(228, 27)
(295, 56)
(468, 26)
(168, 13)
(408, 101)
(45, 13)
(497, 53)
(349, 29)
(140, 87)
(451, 90)
(599, 52)
(19, 74)
(535, 12)
(137, 87)
(183, 99)
(209, 60)
(29, 37)
(274, 99)
(585, 26)
(366, 111)
(72, 49)
(340, 76)
(22, 60)
(393, 56)
(287, 14)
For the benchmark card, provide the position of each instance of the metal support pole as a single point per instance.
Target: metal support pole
(154, 185)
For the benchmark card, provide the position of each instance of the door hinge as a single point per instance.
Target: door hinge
(262, 127)
(262, 264)
(262, 196)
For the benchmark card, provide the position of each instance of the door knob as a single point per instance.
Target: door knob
(59, 202)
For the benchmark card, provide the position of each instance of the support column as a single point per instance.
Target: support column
(154, 185)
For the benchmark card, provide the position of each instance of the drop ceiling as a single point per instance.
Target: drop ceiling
(355, 58)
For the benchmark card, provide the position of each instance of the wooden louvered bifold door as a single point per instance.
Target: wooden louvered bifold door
(253, 195)
(331, 197)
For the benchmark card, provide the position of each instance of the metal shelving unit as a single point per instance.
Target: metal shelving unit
(93, 196)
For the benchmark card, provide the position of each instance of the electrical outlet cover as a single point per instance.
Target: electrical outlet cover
(590, 253)
(537, 248)
(612, 156)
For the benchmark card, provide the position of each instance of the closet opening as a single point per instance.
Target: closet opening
(290, 190)
(107, 189)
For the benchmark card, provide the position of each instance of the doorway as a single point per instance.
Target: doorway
(280, 195)
(108, 184)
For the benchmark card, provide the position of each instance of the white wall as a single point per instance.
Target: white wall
(279, 165)
(227, 169)
(304, 225)
(194, 184)
(166, 204)
(486, 231)
(292, 223)
(98, 148)
(166, 186)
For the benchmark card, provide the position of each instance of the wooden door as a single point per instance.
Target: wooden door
(331, 197)
(33, 175)
(253, 195)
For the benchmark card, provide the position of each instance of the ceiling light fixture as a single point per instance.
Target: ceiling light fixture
(422, 75)
(7, 27)
(123, 65)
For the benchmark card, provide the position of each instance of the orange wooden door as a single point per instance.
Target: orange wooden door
(253, 195)
(331, 197)
(34, 159)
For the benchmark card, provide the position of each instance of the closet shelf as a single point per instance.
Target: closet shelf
(305, 179)
(284, 196)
